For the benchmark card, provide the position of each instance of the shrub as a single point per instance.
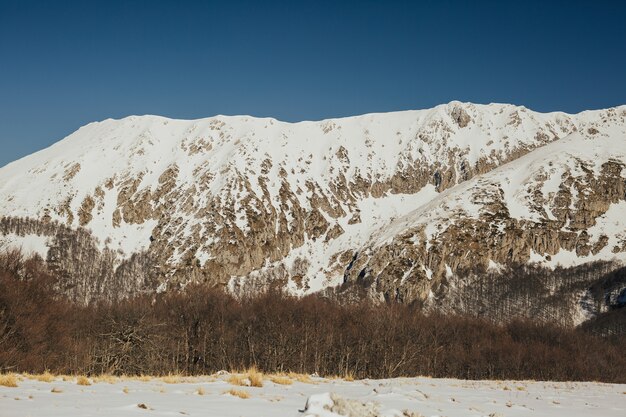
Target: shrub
(45, 377)
(8, 380)
(280, 379)
(238, 393)
(82, 380)
(255, 377)
(250, 378)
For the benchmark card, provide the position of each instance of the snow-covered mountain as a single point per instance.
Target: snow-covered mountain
(401, 199)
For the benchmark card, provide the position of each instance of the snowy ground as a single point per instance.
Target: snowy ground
(205, 396)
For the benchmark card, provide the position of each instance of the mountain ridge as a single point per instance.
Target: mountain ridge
(249, 202)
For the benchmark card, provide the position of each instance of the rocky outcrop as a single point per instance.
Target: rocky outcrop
(416, 264)
(460, 116)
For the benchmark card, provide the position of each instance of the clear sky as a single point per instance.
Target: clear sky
(64, 64)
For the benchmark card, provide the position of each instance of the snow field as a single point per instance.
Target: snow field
(319, 397)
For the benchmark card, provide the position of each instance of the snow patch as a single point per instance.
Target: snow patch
(29, 245)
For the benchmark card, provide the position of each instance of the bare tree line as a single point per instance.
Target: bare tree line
(84, 271)
(201, 331)
(562, 296)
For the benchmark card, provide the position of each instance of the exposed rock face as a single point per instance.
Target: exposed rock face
(252, 203)
(460, 116)
(569, 208)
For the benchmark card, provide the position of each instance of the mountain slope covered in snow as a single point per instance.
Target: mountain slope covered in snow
(404, 200)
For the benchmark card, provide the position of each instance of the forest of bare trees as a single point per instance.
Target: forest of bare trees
(200, 331)
(562, 296)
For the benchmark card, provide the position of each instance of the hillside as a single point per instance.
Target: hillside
(402, 201)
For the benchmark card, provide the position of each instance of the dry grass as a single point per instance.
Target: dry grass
(56, 390)
(112, 379)
(45, 377)
(255, 377)
(173, 379)
(250, 378)
(348, 376)
(125, 390)
(238, 393)
(280, 379)
(8, 380)
(108, 378)
(520, 388)
(301, 377)
(238, 380)
(82, 380)
(200, 391)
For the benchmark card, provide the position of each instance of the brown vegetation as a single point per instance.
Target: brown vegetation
(8, 380)
(238, 393)
(200, 331)
(280, 379)
(536, 293)
(250, 378)
(82, 380)
(45, 377)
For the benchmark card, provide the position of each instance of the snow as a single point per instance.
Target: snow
(213, 154)
(610, 223)
(551, 160)
(494, 266)
(516, 179)
(387, 397)
(319, 405)
(29, 244)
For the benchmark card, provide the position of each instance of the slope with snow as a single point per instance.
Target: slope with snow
(562, 204)
(246, 201)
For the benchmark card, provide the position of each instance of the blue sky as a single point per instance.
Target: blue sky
(64, 64)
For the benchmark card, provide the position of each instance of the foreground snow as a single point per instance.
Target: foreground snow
(207, 396)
